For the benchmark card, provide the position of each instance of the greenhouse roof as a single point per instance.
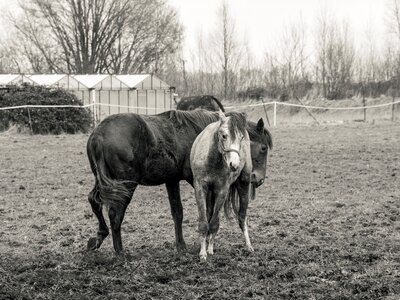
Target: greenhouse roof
(46, 79)
(132, 80)
(88, 81)
(8, 78)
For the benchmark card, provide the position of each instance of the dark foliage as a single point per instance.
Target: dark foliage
(43, 120)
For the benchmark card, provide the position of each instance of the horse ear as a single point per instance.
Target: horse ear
(222, 117)
(260, 125)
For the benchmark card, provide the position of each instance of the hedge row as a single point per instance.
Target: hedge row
(43, 120)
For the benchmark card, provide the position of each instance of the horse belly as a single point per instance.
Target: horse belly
(159, 171)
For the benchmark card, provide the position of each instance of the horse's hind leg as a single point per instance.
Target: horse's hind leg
(103, 231)
(175, 202)
(116, 213)
(201, 193)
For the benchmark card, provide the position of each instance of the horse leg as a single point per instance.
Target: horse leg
(201, 194)
(175, 202)
(243, 190)
(210, 209)
(116, 213)
(102, 233)
(220, 198)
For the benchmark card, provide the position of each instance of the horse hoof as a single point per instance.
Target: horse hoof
(250, 249)
(203, 257)
(181, 248)
(93, 244)
(121, 255)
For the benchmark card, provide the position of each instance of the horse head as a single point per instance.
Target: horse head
(261, 142)
(231, 133)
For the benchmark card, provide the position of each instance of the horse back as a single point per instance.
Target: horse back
(149, 150)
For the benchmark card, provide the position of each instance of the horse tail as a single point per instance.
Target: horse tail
(112, 192)
(232, 203)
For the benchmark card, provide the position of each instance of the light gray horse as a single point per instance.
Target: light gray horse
(221, 163)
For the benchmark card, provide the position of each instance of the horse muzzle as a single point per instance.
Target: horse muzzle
(260, 182)
(233, 167)
(256, 182)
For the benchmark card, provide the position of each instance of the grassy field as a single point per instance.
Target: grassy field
(325, 225)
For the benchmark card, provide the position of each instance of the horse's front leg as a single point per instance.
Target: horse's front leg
(210, 210)
(243, 191)
(201, 190)
(175, 202)
(220, 198)
(102, 233)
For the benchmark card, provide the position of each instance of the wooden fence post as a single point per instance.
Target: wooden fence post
(393, 108)
(309, 112)
(265, 111)
(365, 110)
(30, 120)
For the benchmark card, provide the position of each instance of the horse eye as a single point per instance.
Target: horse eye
(264, 148)
(224, 136)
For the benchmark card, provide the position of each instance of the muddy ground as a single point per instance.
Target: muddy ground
(325, 225)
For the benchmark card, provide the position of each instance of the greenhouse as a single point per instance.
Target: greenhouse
(109, 94)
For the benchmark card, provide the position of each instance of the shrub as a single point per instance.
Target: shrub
(43, 120)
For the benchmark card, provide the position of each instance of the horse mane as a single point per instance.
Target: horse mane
(195, 119)
(238, 120)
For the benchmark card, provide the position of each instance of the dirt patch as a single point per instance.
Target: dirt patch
(325, 225)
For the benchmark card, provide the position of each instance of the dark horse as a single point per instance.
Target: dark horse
(127, 150)
(207, 102)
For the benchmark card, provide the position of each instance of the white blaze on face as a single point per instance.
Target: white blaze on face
(232, 158)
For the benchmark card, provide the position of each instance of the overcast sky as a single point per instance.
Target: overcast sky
(262, 21)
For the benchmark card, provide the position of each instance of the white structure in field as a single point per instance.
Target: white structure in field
(140, 93)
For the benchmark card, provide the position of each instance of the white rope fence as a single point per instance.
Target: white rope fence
(274, 103)
(46, 106)
(313, 107)
(129, 107)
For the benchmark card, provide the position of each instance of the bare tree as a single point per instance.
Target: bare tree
(393, 24)
(335, 56)
(151, 34)
(93, 36)
(292, 57)
(229, 51)
(9, 60)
